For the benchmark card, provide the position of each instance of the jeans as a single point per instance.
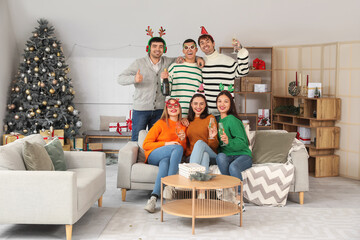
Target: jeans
(233, 165)
(168, 159)
(203, 155)
(143, 119)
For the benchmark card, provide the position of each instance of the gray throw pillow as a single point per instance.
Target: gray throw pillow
(56, 153)
(36, 158)
(272, 147)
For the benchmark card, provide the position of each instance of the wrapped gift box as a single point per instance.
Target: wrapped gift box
(66, 147)
(186, 169)
(118, 127)
(94, 146)
(76, 144)
(48, 135)
(247, 83)
(8, 138)
(260, 87)
(263, 117)
(311, 89)
(304, 135)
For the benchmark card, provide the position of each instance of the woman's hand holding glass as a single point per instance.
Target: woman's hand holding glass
(180, 132)
(223, 137)
(212, 129)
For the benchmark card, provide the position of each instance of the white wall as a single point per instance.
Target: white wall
(8, 58)
(107, 27)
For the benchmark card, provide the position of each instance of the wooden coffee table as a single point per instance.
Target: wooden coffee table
(187, 203)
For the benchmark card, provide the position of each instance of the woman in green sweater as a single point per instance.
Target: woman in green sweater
(234, 153)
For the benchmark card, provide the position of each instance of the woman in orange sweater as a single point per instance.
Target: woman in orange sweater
(201, 134)
(164, 146)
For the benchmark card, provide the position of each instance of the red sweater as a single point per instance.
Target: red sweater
(161, 133)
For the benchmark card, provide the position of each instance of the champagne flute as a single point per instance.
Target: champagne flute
(221, 132)
(211, 125)
(178, 130)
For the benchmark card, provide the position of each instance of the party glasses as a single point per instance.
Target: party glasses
(192, 47)
(174, 105)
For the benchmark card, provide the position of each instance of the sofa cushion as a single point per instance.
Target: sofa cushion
(89, 182)
(11, 154)
(272, 147)
(143, 172)
(36, 158)
(56, 153)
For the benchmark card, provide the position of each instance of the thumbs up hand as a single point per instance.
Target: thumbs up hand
(138, 77)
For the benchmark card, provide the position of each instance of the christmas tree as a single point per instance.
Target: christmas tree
(41, 94)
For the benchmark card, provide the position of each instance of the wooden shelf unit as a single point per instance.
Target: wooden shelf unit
(249, 102)
(322, 162)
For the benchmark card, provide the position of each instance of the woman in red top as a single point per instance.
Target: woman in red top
(164, 146)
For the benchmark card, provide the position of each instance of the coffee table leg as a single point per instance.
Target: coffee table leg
(161, 207)
(193, 211)
(241, 203)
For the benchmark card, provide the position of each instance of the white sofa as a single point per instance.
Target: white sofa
(133, 173)
(49, 197)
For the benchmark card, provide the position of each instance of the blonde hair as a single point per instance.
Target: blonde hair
(165, 114)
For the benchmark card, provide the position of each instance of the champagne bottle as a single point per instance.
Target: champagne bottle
(165, 88)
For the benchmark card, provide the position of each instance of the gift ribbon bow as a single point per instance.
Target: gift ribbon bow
(15, 134)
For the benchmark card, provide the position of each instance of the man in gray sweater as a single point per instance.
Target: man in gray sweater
(145, 74)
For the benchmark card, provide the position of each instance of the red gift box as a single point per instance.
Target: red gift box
(259, 64)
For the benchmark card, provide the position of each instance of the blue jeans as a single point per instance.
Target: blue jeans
(203, 155)
(168, 159)
(233, 165)
(143, 119)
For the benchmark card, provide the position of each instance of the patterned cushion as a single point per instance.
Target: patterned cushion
(268, 184)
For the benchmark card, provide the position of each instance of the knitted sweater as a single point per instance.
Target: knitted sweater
(198, 130)
(185, 79)
(220, 68)
(161, 133)
(238, 141)
(147, 95)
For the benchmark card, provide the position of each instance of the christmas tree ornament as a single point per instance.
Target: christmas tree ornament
(23, 75)
(78, 124)
(38, 111)
(59, 64)
(58, 54)
(47, 49)
(58, 102)
(44, 103)
(54, 82)
(73, 92)
(36, 124)
(48, 107)
(42, 84)
(66, 126)
(36, 74)
(75, 112)
(28, 61)
(28, 115)
(70, 108)
(16, 117)
(25, 79)
(6, 127)
(52, 91)
(34, 131)
(44, 58)
(54, 45)
(25, 130)
(29, 71)
(12, 89)
(29, 98)
(17, 89)
(61, 79)
(53, 74)
(27, 91)
(9, 106)
(31, 48)
(34, 86)
(43, 70)
(12, 106)
(10, 123)
(45, 30)
(21, 108)
(55, 115)
(32, 114)
(39, 83)
(27, 49)
(72, 132)
(36, 58)
(35, 34)
(56, 106)
(36, 69)
(51, 56)
(63, 88)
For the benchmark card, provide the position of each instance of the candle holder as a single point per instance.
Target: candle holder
(293, 89)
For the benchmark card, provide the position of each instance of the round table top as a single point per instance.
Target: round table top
(219, 181)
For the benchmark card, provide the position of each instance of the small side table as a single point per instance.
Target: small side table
(187, 202)
(97, 134)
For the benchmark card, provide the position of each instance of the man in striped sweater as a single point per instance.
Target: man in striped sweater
(185, 78)
(220, 70)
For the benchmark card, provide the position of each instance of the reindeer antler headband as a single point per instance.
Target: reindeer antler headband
(150, 33)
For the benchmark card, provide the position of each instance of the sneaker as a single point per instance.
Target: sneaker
(169, 192)
(201, 195)
(151, 204)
